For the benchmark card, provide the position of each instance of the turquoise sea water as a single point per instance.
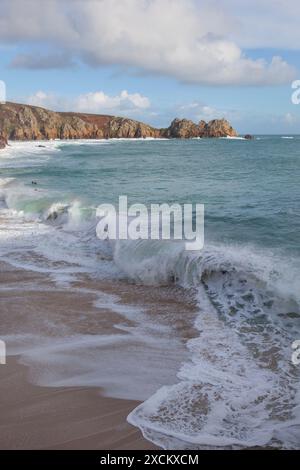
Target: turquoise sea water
(246, 279)
(250, 189)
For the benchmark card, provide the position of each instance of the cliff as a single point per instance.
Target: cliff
(3, 141)
(24, 122)
(185, 129)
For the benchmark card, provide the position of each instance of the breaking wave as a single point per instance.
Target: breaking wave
(239, 387)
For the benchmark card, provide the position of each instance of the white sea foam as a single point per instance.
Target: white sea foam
(136, 347)
(230, 137)
(244, 306)
(236, 388)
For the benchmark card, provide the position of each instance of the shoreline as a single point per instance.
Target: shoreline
(85, 326)
(39, 407)
(35, 417)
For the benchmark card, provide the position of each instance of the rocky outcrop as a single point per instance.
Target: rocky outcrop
(24, 122)
(185, 129)
(219, 128)
(122, 127)
(182, 129)
(3, 141)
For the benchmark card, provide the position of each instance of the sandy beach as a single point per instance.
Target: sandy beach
(34, 417)
(149, 226)
(75, 417)
(192, 349)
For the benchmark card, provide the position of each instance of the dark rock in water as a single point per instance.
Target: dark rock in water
(249, 137)
(42, 146)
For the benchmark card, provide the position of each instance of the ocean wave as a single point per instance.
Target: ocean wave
(239, 387)
(230, 137)
(44, 235)
(156, 262)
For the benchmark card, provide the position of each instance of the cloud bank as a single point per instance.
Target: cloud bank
(93, 102)
(191, 40)
(40, 62)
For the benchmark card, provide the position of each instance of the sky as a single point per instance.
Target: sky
(154, 60)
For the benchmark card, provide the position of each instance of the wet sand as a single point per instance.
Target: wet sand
(70, 417)
(33, 417)
(37, 417)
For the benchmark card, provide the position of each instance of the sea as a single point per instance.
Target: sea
(231, 382)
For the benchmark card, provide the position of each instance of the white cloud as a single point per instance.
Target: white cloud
(266, 23)
(199, 111)
(190, 40)
(93, 102)
(99, 101)
(47, 100)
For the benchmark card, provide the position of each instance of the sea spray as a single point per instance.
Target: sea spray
(236, 385)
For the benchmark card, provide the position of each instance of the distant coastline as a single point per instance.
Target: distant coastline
(25, 122)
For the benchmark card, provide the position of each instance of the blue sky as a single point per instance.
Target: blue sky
(156, 59)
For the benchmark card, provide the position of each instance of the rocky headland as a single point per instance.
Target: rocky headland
(25, 122)
(3, 141)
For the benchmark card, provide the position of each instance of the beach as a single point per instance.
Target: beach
(65, 418)
(35, 417)
(149, 228)
(42, 417)
(123, 343)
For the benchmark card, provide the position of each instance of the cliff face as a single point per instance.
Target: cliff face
(3, 141)
(24, 122)
(217, 128)
(185, 129)
(182, 129)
